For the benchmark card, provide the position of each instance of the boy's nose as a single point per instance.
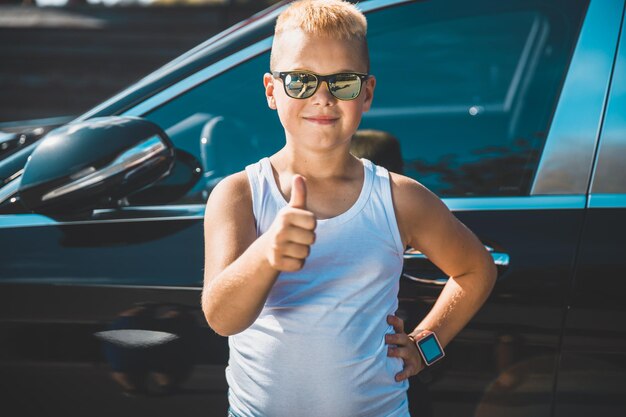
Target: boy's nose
(322, 96)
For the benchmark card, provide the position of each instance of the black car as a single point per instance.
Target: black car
(512, 112)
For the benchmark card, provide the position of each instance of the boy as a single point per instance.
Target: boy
(304, 248)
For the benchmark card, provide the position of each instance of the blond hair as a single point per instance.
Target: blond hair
(333, 18)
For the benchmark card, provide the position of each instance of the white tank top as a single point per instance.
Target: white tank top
(318, 347)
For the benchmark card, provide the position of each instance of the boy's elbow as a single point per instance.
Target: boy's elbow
(210, 316)
(216, 322)
(209, 311)
(222, 328)
(218, 328)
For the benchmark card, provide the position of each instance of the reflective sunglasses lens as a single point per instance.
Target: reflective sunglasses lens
(345, 86)
(300, 84)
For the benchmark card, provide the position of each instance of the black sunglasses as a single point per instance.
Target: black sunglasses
(303, 84)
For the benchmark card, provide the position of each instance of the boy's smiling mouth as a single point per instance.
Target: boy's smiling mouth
(324, 120)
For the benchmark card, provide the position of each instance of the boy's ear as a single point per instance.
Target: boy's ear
(268, 83)
(369, 92)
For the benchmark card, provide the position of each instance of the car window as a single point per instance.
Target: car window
(468, 90)
(224, 122)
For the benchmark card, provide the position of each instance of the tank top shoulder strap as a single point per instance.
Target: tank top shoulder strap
(265, 205)
(255, 178)
(382, 188)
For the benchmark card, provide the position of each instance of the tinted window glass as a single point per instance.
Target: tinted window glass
(224, 122)
(468, 88)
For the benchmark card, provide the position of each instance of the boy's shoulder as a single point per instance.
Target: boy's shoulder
(231, 193)
(233, 182)
(406, 190)
(414, 204)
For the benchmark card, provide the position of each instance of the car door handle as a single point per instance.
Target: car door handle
(499, 258)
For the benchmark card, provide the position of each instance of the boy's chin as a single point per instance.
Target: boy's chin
(321, 143)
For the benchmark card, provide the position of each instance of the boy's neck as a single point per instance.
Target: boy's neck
(316, 165)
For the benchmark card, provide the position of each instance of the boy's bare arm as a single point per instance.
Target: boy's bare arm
(427, 225)
(240, 269)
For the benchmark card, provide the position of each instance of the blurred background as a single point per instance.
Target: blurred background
(58, 58)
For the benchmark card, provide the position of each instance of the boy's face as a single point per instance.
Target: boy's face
(320, 122)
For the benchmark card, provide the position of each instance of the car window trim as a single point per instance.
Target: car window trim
(617, 201)
(197, 211)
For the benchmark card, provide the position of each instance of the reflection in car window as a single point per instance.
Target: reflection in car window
(469, 89)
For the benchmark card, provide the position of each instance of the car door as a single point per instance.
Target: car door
(102, 316)
(592, 368)
(496, 108)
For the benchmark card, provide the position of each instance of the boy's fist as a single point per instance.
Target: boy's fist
(292, 232)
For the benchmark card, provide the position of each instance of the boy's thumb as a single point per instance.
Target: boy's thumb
(298, 192)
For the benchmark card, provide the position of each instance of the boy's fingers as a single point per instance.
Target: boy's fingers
(402, 376)
(397, 323)
(295, 250)
(393, 352)
(404, 353)
(301, 218)
(409, 370)
(411, 367)
(298, 192)
(289, 264)
(297, 235)
(397, 339)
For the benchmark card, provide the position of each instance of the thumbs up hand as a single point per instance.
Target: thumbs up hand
(292, 232)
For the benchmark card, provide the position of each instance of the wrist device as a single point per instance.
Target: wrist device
(428, 346)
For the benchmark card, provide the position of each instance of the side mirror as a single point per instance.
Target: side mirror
(92, 163)
(184, 175)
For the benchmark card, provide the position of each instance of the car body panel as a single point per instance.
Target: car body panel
(592, 369)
